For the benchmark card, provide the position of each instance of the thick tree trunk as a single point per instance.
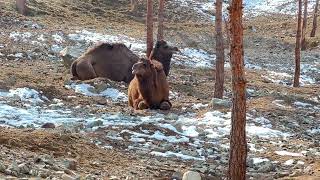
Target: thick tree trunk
(21, 6)
(298, 47)
(304, 26)
(160, 20)
(315, 16)
(218, 87)
(238, 143)
(149, 27)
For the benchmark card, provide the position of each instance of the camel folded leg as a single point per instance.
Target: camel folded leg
(165, 105)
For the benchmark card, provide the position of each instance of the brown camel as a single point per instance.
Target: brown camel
(114, 61)
(162, 52)
(149, 87)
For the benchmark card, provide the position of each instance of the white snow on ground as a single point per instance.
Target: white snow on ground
(286, 153)
(302, 105)
(88, 90)
(258, 160)
(173, 154)
(199, 106)
(57, 38)
(93, 37)
(27, 94)
(289, 162)
(194, 58)
(16, 36)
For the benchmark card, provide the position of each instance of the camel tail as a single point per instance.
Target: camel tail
(74, 70)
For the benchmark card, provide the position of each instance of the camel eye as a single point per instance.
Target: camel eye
(144, 64)
(166, 46)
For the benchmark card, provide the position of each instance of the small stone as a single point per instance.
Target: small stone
(2, 167)
(95, 124)
(48, 126)
(191, 175)
(177, 176)
(220, 102)
(71, 164)
(267, 167)
(24, 168)
(281, 175)
(67, 177)
(90, 177)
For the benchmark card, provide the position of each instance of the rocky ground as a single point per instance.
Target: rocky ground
(55, 128)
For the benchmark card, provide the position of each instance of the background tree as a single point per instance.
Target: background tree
(21, 6)
(160, 20)
(149, 23)
(315, 16)
(298, 47)
(133, 5)
(238, 143)
(304, 26)
(218, 87)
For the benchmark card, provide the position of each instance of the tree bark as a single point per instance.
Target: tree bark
(218, 87)
(160, 20)
(304, 26)
(21, 6)
(149, 23)
(315, 16)
(238, 143)
(298, 47)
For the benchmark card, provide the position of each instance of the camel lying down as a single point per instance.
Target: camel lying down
(114, 61)
(149, 87)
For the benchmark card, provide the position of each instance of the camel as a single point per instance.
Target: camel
(149, 87)
(114, 61)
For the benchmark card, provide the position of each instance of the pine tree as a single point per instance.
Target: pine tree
(238, 143)
(298, 47)
(218, 87)
(21, 6)
(315, 16)
(149, 23)
(160, 20)
(304, 26)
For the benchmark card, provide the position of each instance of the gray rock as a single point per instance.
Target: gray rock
(281, 175)
(2, 167)
(13, 169)
(69, 54)
(48, 126)
(95, 124)
(191, 175)
(90, 177)
(267, 167)
(296, 173)
(220, 103)
(71, 164)
(24, 168)
(177, 176)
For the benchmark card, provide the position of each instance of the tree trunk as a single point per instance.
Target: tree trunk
(298, 47)
(304, 26)
(149, 27)
(133, 5)
(21, 6)
(218, 87)
(315, 16)
(160, 20)
(238, 143)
